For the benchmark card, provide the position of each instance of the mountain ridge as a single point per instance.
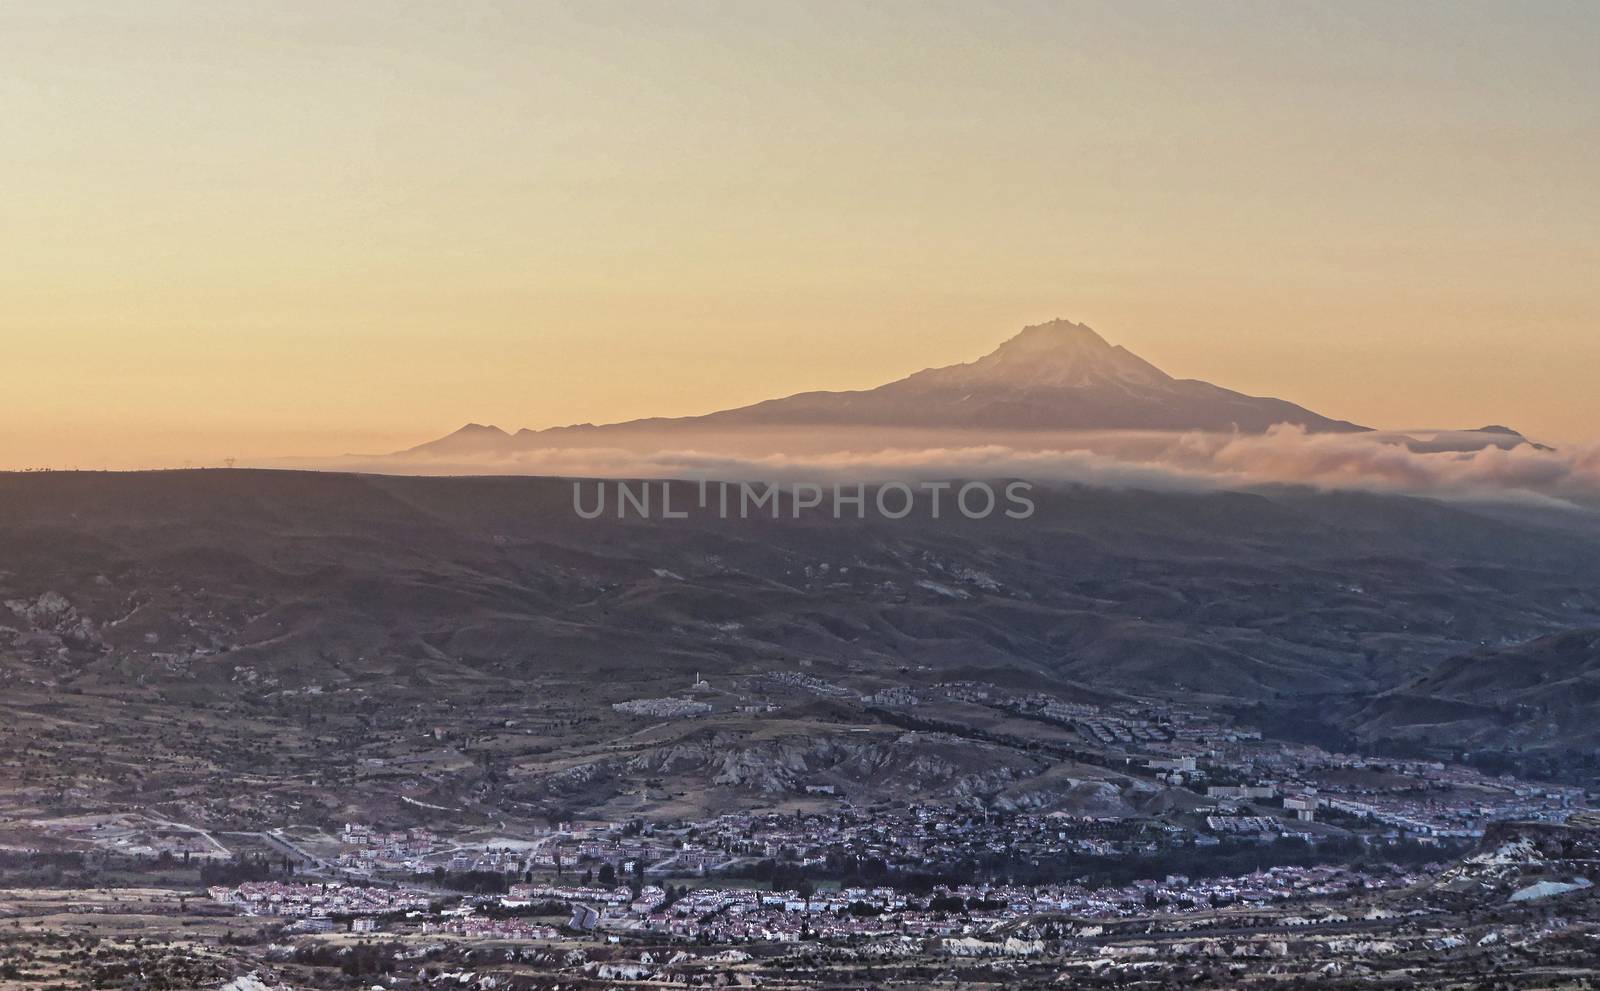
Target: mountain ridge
(1057, 375)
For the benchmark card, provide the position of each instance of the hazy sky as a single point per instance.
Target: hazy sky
(307, 228)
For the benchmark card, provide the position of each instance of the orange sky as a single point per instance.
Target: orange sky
(258, 230)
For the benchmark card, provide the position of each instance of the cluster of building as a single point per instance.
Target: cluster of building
(733, 914)
(1246, 790)
(916, 837)
(723, 915)
(1243, 825)
(808, 683)
(663, 708)
(365, 849)
(480, 927)
(1394, 799)
(317, 900)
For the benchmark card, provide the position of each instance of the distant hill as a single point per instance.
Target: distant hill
(306, 627)
(1245, 595)
(470, 439)
(1463, 441)
(1544, 692)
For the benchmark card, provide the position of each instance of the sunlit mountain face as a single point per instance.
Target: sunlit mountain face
(1056, 402)
(1052, 376)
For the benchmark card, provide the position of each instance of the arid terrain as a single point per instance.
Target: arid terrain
(337, 640)
(399, 698)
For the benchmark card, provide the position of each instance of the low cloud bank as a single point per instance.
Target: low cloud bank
(1285, 455)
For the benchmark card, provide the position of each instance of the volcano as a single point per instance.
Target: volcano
(1053, 376)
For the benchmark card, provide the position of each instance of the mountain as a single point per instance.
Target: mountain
(1466, 441)
(1541, 693)
(305, 627)
(1052, 376)
(470, 439)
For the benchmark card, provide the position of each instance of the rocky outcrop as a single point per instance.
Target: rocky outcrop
(52, 624)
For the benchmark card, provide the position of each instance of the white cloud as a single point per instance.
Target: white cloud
(1284, 455)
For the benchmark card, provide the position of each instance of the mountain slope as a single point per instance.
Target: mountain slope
(470, 439)
(1052, 376)
(315, 632)
(1235, 594)
(1540, 693)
